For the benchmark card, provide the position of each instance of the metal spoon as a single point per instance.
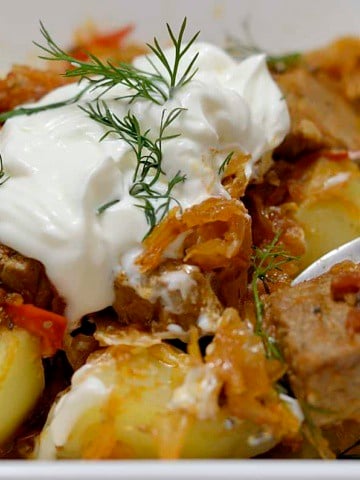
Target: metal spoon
(348, 251)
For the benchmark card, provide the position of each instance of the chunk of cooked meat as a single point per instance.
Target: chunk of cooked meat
(27, 277)
(339, 63)
(321, 117)
(343, 437)
(310, 322)
(175, 293)
(192, 265)
(214, 235)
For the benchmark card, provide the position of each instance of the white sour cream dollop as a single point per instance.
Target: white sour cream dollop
(60, 173)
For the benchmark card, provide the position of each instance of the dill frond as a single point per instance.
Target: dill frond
(148, 152)
(3, 176)
(41, 108)
(151, 86)
(225, 163)
(173, 82)
(264, 260)
(245, 46)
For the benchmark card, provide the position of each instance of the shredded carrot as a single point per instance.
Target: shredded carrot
(48, 326)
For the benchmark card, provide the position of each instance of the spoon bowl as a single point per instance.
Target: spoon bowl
(348, 251)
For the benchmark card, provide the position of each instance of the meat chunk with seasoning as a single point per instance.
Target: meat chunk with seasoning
(317, 325)
(321, 117)
(27, 277)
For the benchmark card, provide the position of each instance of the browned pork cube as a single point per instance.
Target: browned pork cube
(320, 115)
(27, 277)
(317, 324)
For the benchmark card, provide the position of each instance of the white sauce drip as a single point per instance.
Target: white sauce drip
(174, 281)
(61, 174)
(87, 392)
(206, 323)
(198, 394)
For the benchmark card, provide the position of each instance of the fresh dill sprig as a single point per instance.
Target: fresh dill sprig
(155, 86)
(104, 75)
(264, 260)
(3, 176)
(107, 205)
(41, 108)
(148, 152)
(142, 84)
(281, 63)
(154, 214)
(173, 82)
(225, 163)
(241, 48)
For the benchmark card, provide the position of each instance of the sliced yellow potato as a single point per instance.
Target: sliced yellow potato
(330, 210)
(21, 378)
(126, 403)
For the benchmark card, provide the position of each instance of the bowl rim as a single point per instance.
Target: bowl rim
(184, 469)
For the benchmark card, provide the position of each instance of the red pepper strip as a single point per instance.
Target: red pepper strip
(107, 40)
(112, 39)
(48, 326)
(334, 154)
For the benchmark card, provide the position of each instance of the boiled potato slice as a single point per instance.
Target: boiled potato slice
(330, 210)
(119, 406)
(21, 378)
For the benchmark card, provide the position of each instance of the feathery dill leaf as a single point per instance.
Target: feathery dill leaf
(148, 152)
(3, 177)
(102, 74)
(41, 108)
(107, 205)
(270, 257)
(281, 63)
(225, 163)
(180, 50)
(152, 86)
(241, 48)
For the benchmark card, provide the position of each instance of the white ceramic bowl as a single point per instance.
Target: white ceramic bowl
(277, 25)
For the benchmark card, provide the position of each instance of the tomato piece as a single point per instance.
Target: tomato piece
(345, 283)
(112, 39)
(107, 41)
(48, 326)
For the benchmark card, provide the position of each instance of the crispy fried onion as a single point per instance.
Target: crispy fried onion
(248, 377)
(217, 234)
(234, 179)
